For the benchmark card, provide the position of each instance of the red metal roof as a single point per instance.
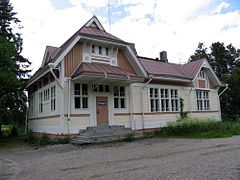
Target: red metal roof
(193, 67)
(103, 69)
(160, 68)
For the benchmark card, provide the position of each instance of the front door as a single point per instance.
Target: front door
(102, 110)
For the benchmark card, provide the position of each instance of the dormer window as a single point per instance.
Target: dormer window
(93, 49)
(100, 50)
(107, 52)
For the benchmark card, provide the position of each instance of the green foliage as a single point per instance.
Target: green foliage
(129, 137)
(182, 114)
(199, 129)
(14, 132)
(13, 67)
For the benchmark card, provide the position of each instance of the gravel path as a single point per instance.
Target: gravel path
(143, 159)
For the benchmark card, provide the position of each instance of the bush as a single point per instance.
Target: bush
(129, 137)
(199, 128)
(44, 140)
(14, 132)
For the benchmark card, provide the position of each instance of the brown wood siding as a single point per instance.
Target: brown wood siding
(73, 59)
(211, 85)
(124, 63)
(201, 83)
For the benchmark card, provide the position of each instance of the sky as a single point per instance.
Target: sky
(175, 26)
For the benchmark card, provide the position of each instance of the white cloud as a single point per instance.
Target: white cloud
(174, 26)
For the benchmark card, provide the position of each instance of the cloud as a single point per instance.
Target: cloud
(153, 25)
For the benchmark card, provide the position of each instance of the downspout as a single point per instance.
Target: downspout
(69, 105)
(189, 99)
(143, 115)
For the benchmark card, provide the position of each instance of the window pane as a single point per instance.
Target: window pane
(122, 101)
(156, 92)
(93, 49)
(151, 92)
(77, 102)
(152, 105)
(107, 51)
(100, 50)
(116, 103)
(84, 89)
(77, 89)
(162, 93)
(157, 104)
(107, 88)
(167, 105)
(100, 88)
(85, 102)
(122, 91)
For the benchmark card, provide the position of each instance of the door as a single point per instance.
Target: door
(102, 110)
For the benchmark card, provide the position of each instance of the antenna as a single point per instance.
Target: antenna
(109, 16)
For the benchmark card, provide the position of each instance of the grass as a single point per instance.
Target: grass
(11, 142)
(196, 128)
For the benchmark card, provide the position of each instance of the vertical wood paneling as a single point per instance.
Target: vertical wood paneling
(73, 59)
(124, 63)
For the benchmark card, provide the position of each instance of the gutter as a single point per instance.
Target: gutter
(143, 115)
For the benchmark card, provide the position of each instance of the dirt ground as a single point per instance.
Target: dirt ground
(142, 159)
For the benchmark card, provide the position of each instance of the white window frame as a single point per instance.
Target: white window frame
(117, 95)
(81, 95)
(40, 102)
(202, 100)
(154, 97)
(53, 98)
(166, 101)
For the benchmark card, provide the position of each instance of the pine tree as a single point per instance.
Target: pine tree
(200, 53)
(13, 67)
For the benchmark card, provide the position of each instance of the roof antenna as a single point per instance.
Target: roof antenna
(109, 16)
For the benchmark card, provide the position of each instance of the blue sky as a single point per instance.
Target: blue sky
(153, 25)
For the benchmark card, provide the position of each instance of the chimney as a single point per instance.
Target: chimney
(163, 56)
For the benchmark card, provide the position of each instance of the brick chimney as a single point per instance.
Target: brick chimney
(163, 56)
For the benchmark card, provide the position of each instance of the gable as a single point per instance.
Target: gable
(124, 63)
(73, 59)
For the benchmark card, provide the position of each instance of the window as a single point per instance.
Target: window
(119, 97)
(53, 98)
(100, 50)
(46, 95)
(203, 102)
(40, 98)
(164, 100)
(81, 96)
(154, 99)
(93, 49)
(174, 99)
(107, 52)
(100, 88)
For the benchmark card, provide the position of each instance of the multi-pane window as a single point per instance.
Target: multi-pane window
(100, 88)
(46, 94)
(119, 97)
(201, 75)
(163, 100)
(154, 99)
(93, 49)
(31, 105)
(174, 99)
(53, 98)
(40, 104)
(100, 50)
(81, 96)
(203, 102)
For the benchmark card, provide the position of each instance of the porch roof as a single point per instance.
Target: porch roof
(104, 70)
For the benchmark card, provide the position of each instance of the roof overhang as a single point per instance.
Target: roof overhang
(175, 79)
(100, 78)
(37, 78)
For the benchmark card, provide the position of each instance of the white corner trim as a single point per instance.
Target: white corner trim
(136, 60)
(64, 53)
(94, 19)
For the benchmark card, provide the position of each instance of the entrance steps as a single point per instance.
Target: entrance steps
(104, 133)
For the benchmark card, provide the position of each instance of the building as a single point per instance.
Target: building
(96, 78)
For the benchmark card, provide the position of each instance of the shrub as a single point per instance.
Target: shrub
(129, 137)
(14, 132)
(44, 140)
(199, 128)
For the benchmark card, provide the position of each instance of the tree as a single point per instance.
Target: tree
(13, 67)
(200, 53)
